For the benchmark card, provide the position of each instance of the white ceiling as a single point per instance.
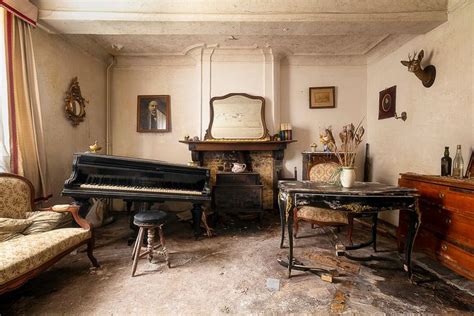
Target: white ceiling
(297, 27)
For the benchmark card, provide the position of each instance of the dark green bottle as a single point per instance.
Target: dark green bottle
(446, 163)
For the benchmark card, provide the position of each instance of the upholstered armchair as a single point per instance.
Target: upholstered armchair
(328, 173)
(31, 241)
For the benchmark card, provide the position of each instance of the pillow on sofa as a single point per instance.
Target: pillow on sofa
(44, 221)
(12, 227)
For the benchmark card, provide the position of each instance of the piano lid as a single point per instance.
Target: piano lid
(121, 160)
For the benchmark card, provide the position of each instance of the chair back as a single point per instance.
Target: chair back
(324, 172)
(16, 196)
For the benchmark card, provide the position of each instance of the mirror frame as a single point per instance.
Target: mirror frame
(265, 136)
(73, 94)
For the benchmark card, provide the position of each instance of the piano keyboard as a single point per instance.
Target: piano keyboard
(139, 189)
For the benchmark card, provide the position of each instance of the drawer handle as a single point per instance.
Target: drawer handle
(444, 247)
(448, 221)
(441, 195)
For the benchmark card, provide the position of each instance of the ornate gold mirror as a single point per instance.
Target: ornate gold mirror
(237, 116)
(75, 104)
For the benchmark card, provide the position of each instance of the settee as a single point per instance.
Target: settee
(33, 240)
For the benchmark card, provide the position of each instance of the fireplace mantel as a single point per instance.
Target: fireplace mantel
(198, 147)
(236, 145)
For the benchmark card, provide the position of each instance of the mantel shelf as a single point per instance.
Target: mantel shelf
(237, 145)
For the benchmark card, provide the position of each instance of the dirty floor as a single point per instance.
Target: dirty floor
(231, 273)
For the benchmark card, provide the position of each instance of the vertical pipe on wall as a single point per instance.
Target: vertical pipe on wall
(210, 79)
(206, 84)
(200, 90)
(108, 134)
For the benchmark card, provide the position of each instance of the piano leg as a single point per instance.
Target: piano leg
(129, 206)
(84, 206)
(197, 214)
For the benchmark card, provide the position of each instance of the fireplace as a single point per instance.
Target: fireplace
(262, 157)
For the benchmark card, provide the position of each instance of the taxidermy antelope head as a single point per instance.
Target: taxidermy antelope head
(427, 75)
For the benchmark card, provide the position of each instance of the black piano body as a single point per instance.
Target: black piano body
(137, 180)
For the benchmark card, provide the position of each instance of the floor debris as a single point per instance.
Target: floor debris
(273, 284)
(228, 274)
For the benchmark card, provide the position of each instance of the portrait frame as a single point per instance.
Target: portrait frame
(322, 97)
(153, 117)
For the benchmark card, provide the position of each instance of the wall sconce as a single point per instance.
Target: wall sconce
(402, 116)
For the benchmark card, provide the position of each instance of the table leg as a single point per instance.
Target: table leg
(281, 208)
(374, 231)
(413, 224)
(290, 240)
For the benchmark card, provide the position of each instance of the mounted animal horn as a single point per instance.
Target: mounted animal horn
(427, 75)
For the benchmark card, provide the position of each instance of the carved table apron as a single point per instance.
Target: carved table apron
(363, 198)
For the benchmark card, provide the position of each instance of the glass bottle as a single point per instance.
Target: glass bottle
(458, 164)
(446, 163)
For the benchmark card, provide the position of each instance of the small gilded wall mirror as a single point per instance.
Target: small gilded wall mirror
(75, 104)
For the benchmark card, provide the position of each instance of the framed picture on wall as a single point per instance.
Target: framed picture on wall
(322, 97)
(153, 114)
(387, 103)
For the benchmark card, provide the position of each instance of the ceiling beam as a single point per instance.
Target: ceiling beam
(244, 6)
(110, 23)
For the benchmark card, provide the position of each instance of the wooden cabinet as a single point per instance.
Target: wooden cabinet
(447, 217)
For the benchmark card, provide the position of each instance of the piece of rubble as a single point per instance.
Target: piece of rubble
(273, 284)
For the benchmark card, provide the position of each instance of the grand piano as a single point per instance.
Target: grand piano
(137, 181)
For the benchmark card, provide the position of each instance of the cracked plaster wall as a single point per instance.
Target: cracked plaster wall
(439, 116)
(57, 62)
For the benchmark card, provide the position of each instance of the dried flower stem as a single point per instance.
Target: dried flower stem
(351, 137)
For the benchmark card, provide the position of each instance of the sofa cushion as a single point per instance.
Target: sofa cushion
(15, 197)
(322, 215)
(24, 254)
(13, 227)
(44, 221)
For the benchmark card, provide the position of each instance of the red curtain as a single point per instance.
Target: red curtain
(23, 9)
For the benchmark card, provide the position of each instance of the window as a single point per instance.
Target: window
(4, 130)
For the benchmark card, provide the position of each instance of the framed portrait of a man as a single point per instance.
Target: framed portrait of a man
(153, 114)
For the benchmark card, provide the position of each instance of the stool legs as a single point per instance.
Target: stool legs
(136, 255)
(163, 246)
(136, 250)
(138, 241)
(150, 242)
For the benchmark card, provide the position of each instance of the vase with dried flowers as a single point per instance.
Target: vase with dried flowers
(351, 137)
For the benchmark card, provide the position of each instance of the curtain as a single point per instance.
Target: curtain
(4, 124)
(28, 156)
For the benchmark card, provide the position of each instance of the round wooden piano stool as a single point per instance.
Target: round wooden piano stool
(150, 221)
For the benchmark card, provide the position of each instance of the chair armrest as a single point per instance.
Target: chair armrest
(74, 210)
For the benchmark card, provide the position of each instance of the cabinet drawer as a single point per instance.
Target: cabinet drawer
(447, 253)
(448, 225)
(429, 193)
(454, 199)
(458, 200)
